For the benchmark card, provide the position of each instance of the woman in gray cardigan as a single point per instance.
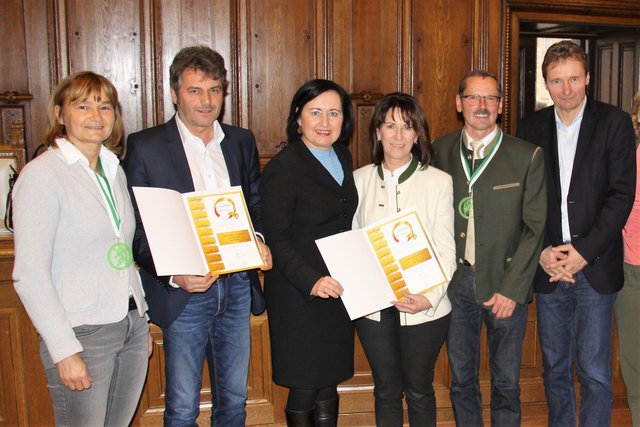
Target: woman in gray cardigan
(73, 225)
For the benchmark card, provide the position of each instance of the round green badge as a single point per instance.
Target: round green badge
(465, 207)
(119, 256)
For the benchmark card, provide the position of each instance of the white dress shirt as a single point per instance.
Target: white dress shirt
(206, 162)
(567, 144)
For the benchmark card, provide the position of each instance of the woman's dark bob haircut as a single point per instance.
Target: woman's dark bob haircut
(311, 90)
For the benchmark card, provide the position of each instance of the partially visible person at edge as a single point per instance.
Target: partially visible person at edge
(74, 271)
(402, 342)
(308, 193)
(200, 316)
(627, 305)
(591, 172)
(501, 204)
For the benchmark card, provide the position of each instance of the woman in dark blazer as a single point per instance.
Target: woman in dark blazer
(308, 193)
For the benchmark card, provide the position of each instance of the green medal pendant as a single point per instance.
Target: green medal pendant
(119, 256)
(465, 207)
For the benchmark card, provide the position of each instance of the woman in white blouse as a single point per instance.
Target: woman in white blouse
(402, 342)
(74, 271)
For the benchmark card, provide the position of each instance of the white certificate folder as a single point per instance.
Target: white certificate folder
(198, 232)
(377, 263)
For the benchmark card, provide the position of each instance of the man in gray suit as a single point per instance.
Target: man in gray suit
(500, 202)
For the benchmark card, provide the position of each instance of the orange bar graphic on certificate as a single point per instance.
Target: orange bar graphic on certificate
(414, 259)
(210, 249)
(213, 258)
(209, 240)
(390, 269)
(234, 237)
(205, 231)
(216, 266)
(202, 223)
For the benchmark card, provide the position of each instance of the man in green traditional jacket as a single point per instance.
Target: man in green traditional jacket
(501, 206)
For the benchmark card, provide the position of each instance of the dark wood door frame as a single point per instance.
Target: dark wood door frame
(621, 13)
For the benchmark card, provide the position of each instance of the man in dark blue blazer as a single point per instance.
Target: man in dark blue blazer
(199, 315)
(589, 155)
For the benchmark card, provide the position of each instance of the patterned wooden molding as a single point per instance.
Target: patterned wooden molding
(14, 97)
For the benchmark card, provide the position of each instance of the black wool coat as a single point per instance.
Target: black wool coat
(311, 338)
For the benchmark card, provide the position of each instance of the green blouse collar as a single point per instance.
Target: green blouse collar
(406, 174)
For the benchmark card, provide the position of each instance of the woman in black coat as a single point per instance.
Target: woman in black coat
(308, 193)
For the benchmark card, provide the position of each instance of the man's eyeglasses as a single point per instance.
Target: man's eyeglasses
(489, 100)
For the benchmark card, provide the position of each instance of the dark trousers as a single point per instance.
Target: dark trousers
(402, 360)
(505, 354)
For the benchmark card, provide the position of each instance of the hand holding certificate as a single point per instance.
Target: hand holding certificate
(199, 232)
(376, 264)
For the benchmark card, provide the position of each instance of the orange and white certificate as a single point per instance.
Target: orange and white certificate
(198, 232)
(377, 263)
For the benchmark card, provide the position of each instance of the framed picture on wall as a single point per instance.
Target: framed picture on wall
(11, 162)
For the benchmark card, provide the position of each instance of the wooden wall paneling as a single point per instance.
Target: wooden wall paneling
(24, 399)
(151, 406)
(605, 85)
(40, 39)
(11, 370)
(627, 74)
(377, 46)
(261, 407)
(363, 106)
(281, 56)
(182, 23)
(13, 67)
(104, 37)
(442, 54)
(617, 56)
(15, 90)
(340, 43)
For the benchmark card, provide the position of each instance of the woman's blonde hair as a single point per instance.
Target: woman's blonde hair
(79, 86)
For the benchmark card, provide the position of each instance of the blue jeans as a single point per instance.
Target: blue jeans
(215, 323)
(575, 326)
(505, 354)
(116, 356)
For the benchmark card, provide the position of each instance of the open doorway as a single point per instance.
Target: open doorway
(610, 38)
(613, 54)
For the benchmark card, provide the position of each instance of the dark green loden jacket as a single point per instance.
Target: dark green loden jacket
(510, 209)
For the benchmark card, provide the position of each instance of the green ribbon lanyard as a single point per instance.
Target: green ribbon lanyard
(108, 195)
(473, 176)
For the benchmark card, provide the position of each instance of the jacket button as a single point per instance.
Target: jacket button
(345, 214)
(343, 200)
(463, 234)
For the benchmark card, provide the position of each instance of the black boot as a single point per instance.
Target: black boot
(326, 414)
(299, 418)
